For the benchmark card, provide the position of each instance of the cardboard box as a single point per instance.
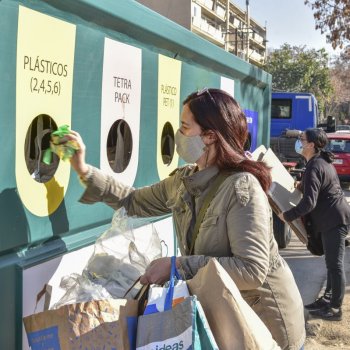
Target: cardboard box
(282, 194)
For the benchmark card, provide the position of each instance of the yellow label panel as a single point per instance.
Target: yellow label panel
(169, 78)
(45, 60)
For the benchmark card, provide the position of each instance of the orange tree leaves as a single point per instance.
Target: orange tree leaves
(333, 19)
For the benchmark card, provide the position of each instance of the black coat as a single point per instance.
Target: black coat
(323, 198)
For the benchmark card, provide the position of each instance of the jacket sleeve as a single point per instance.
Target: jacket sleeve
(312, 185)
(143, 202)
(249, 232)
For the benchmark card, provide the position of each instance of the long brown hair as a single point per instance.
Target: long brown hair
(219, 112)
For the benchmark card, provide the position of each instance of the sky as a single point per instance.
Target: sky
(287, 21)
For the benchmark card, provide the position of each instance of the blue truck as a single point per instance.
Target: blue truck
(291, 113)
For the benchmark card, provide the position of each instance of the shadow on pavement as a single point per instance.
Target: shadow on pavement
(309, 271)
(310, 275)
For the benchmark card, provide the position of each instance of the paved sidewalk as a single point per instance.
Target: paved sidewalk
(325, 334)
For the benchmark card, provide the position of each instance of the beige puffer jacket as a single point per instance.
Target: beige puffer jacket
(236, 229)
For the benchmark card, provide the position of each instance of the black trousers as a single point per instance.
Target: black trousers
(334, 251)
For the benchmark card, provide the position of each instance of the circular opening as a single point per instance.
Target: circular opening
(36, 143)
(119, 146)
(167, 143)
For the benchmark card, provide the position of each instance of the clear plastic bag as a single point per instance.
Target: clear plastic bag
(119, 259)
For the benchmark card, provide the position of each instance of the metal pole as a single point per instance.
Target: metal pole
(248, 29)
(265, 42)
(227, 35)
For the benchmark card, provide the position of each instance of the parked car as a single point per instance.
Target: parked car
(342, 128)
(339, 145)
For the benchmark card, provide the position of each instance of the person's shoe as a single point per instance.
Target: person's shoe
(317, 304)
(328, 313)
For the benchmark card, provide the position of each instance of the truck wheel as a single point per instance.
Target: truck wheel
(281, 231)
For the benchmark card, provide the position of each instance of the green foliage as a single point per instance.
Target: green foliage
(298, 69)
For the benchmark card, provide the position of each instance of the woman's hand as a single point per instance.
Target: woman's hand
(78, 160)
(297, 184)
(157, 272)
(280, 215)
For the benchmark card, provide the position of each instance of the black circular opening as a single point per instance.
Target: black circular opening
(36, 143)
(167, 143)
(119, 146)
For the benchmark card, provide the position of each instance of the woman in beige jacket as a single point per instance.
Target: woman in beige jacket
(237, 226)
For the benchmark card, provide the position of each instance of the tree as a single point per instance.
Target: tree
(333, 18)
(339, 104)
(298, 69)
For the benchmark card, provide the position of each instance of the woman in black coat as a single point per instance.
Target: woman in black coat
(324, 202)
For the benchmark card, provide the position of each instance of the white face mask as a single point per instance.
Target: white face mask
(298, 146)
(189, 148)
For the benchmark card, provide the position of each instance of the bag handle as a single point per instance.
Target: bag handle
(207, 199)
(132, 286)
(141, 296)
(45, 292)
(144, 288)
(174, 274)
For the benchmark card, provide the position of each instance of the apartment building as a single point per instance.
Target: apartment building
(219, 21)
